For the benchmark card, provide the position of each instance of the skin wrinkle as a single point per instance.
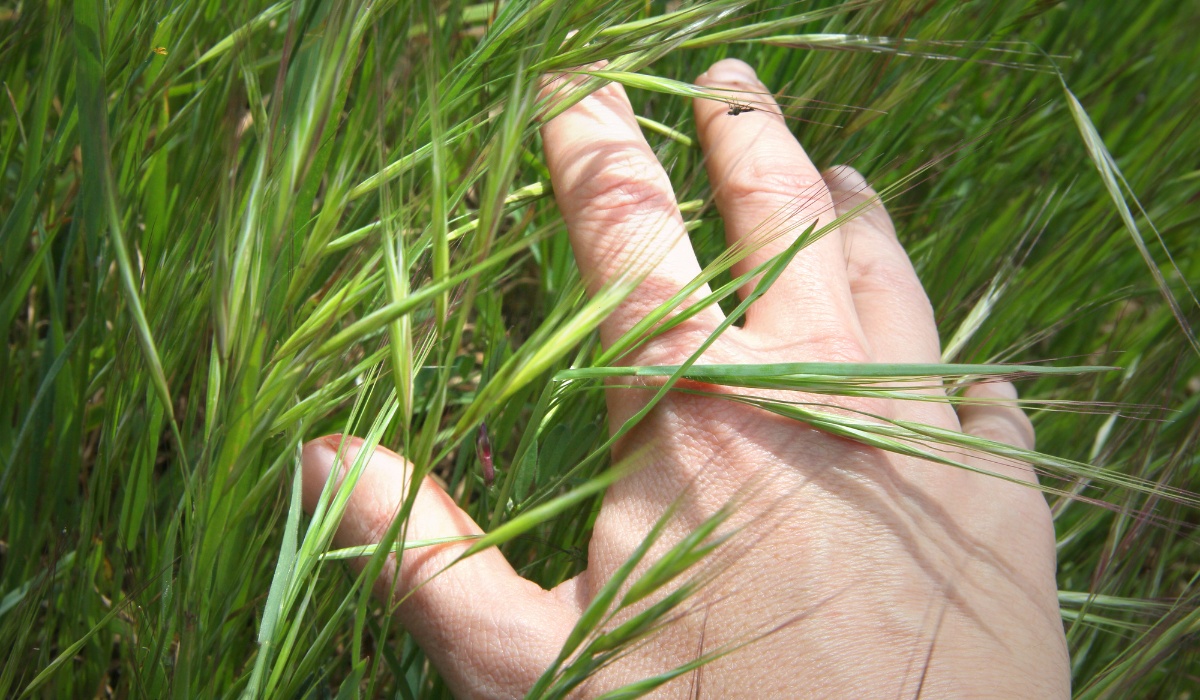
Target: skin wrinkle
(761, 183)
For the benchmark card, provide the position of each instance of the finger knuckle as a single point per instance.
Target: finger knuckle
(872, 218)
(877, 273)
(1007, 425)
(834, 344)
(766, 180)
(629, 184)
(677, 344)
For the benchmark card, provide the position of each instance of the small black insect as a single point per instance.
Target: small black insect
(736, 108)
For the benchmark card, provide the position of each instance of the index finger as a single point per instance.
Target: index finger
(618, 204)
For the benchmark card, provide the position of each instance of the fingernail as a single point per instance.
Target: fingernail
(731, 71)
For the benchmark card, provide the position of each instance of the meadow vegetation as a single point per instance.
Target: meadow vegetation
(228, 228)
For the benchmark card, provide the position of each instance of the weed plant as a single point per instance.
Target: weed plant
(228, 228)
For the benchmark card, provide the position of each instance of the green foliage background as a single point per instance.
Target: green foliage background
(231, 227)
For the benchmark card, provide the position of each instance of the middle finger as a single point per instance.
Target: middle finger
(768, 191)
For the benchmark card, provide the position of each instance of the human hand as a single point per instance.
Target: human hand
(861, 573)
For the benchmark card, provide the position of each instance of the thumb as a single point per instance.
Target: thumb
(489, 631)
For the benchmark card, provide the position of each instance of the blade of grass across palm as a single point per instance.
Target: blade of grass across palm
(908, 438)
(797, 374)
(931, 392)
(898, 381)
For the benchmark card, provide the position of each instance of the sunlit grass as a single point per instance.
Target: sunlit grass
(227, 228)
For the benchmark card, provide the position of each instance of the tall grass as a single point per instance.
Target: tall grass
(231, 227)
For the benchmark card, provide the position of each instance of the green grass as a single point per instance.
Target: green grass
(226, 228)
